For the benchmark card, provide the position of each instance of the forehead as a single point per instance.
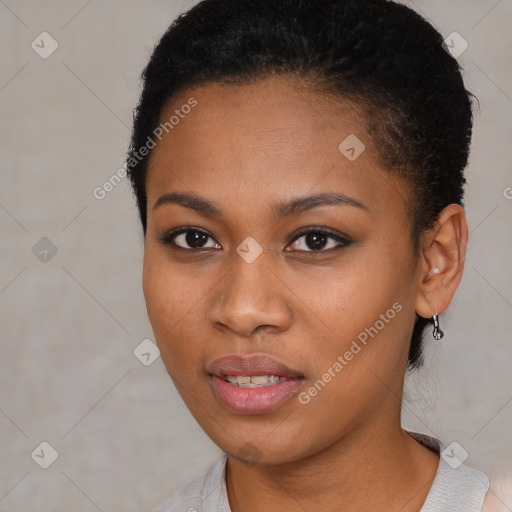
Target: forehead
(275, 136)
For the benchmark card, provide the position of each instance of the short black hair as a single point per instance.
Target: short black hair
(381, 55)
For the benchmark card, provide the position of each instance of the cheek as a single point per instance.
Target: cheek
(173, 302)
(360, 313)
(341, 301)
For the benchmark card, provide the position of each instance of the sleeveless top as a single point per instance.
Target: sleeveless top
(456, 487)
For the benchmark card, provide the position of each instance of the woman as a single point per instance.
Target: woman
(298, 167)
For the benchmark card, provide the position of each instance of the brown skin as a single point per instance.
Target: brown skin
(246, 148)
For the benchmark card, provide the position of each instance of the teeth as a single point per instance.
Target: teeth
(259, 379)
(254, 381)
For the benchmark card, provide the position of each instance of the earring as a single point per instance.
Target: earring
(437, 333)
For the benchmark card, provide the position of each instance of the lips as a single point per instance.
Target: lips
(251, 365)
(235, 383)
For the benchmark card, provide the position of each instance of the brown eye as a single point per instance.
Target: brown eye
(318, 241)
(190, 238)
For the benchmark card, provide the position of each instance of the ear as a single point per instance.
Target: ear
(443, 249)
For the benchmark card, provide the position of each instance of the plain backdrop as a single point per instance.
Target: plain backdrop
(71, 305)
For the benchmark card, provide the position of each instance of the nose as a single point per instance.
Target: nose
(251, 297)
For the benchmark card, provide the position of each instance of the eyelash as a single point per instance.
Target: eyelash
(343, 241)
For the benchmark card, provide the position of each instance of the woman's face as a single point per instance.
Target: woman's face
(269, 242)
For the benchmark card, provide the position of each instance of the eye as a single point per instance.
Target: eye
(190, 238)
(318, 240)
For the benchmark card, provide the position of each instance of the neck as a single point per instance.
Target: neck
(375, 467)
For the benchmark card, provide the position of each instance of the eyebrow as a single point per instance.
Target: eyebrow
(293, 207)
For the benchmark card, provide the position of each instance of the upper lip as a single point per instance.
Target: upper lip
(250, 364)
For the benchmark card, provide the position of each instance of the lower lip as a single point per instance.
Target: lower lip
(253, 400)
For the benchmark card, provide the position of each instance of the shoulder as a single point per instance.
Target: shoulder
(203, 494)
(456, 486)
(464, 487)
(499, 497)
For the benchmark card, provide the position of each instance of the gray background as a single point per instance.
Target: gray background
(68, 375)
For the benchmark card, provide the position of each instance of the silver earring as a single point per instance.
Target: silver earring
(437, 333)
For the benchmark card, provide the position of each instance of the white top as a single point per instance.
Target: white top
(456, 487)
